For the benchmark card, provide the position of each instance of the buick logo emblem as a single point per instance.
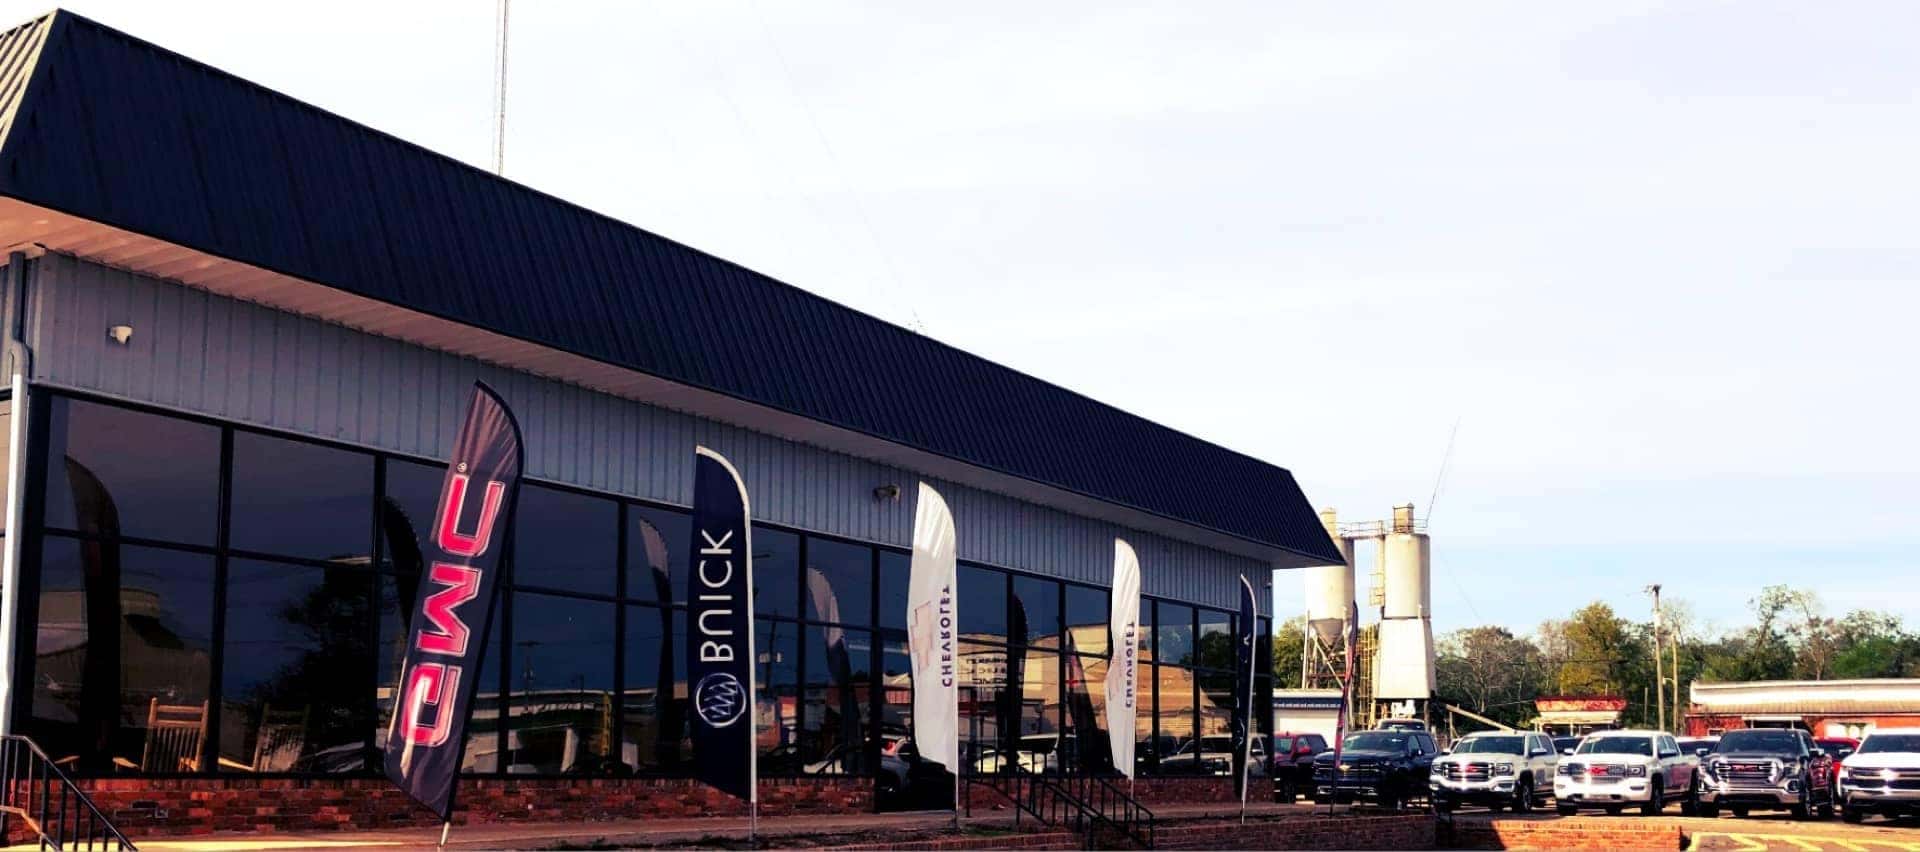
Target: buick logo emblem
(720, 699)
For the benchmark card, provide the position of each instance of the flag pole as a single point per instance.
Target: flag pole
(445, 827)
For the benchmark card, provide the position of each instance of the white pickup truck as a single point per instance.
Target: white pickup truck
(1498, 769)
(1612, 769)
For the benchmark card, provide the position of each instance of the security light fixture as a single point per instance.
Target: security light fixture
(887, 492)
(120, 334)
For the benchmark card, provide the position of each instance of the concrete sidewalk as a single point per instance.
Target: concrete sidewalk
(652, 832)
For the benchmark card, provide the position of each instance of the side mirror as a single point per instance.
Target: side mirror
(1538, 752)
(1702, 751)
(1566, 751)
(1819, 752)
(1444, 752)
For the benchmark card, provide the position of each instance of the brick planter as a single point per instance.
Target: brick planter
(1562, 833)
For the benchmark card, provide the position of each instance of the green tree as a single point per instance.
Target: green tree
(1288, 649)
(1491, 672)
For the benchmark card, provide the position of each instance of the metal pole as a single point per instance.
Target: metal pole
(1659, 677)
(500, 94)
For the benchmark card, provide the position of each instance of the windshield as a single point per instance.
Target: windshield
(1376, 741)
(1642, 746)
(1283, 744)
(1752, 740)
(1489, 745)
(1691, 746)
(1883, 743)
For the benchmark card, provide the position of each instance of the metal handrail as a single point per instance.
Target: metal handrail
(1083, 802)
(33, 788)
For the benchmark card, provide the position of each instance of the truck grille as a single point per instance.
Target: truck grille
(1748, 773)
(1903, 779)
(1605, 773)
(1469, 771)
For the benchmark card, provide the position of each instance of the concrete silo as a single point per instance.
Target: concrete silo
(1403, 674)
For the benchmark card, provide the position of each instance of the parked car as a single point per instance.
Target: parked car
(1497, 769)
(1699, 747)
(1838, 748)
(1213, 755)
(1882, 776)
(1775, 769)
(1613, 769)
(1565, 745)
(1384, 767)
(1292, 765)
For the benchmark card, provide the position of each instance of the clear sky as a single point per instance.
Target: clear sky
(1658, 260)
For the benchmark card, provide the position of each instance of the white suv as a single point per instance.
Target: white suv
(1882, 776)
(1496, 769)
(1611, 769)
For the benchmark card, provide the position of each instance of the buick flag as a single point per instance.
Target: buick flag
(932, 627)
(441, 669)
(720, 629)
(1124, 672)
(1243, 733)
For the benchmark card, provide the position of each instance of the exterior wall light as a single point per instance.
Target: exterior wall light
(887, 492)
(120, 334)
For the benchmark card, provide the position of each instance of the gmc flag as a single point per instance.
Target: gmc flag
(720, 654)
(441, 668)
(1243, 732)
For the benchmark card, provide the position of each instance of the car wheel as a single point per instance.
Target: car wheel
(1852, 815)
(1690, 806)
(1739, 812)
(1565, 810)
(1614, 810)
(1442, 804)
(1709, 811)
(1284, 792)
(1523, 796)
(1496, 807)
(1656, 800)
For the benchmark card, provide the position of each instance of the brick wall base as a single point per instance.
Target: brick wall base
(1563, 833)
(1394, 831)
(174, 806)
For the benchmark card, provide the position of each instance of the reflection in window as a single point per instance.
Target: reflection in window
(777, 714)
(657, 563)
(296, 643)
(1087, 619)
(983, 676)
(1035, 709)
(839, 582)
(562, 682)
(1148, 747)
(292, 498)
(122, 667)
(483, 726)
(1217, 697)
(833, 720)
(115, 482)
(653, 715)
(1086, 715)
(1039, 601)
(895, 570)
(1175, 631)
(1216, 645)
(1175, 694)
(564, 540)
(983, 603)
(406, 512)
(776, 574)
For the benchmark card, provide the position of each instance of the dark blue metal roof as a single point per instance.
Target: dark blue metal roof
(119, 131)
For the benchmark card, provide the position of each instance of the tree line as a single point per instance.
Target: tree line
(1597, 651)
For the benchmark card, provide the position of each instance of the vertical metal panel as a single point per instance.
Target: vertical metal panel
(233, 360)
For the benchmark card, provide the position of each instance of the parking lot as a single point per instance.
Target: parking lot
(1756, 832)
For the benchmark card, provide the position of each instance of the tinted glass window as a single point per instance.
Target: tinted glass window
(839, 582)
(483, 727)
(1218, 694)
(1753, 739)
(1087, 619)
(297, 641)
(776, 573)
(406, 513)
(895, 570)
(653, 720)
(113, 471)
(121, 679)
(1039, 601)
(983, 603)
(778, 670)
(833, 721)
(292, 498)
(1086, 713)
(562, 682)
(983, 677)
(1216, 648)
(1175, 633)
(657, 564)
(564, 540)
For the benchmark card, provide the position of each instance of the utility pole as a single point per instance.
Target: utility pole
(1659, 677)
(500, 93)
(1678, 720)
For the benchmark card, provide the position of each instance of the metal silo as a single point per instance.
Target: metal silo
(1330, 587)
(1405, 671)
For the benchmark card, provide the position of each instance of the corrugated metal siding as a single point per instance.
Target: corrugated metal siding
(237, 361)
(131, 135)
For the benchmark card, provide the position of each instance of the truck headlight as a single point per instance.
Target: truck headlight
(1439, 770)
(1503, 769)
(1636, 771)
(1563, 769)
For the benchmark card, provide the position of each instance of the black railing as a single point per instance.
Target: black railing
(35, 791)
(1089, 804)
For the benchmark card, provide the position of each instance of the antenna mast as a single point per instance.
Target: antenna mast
(500, 93)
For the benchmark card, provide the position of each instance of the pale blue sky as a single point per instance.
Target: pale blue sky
(1658, 259)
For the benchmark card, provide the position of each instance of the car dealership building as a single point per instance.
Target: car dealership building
(241, 332)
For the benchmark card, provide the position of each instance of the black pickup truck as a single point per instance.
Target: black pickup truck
(1383, 767)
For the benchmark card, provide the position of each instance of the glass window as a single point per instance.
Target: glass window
(1146, 631)
(406, 514)
(297, 642)
(121, 679)
(564, 540)
(1033, 693)
(1175, 712)
(1218, 693)
(839, 582)
(292, 498)
(562, 682)
(1087, 619)
(131, 473)
(983, 676)
(1086, 715)
(776, 573)
(1175, 632)
(657, 564)
(983, 603)
(833, 719)
(1216, 645)
(483, 726)
(1038, 601)
(1149, 746)
(653, 717)
(777, 712)
(895, 570)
